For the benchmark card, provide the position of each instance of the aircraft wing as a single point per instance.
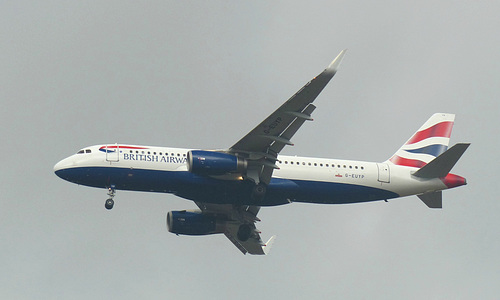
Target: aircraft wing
(237, 215)
(262, 145)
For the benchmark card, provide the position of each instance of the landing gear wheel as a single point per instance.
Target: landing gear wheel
(259, 191)
(244, 232)
(111, 193)
(109, 204)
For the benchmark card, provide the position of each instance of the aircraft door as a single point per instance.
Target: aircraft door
(384, 173)
(112, 153)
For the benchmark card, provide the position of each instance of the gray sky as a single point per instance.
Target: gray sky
(202, 74)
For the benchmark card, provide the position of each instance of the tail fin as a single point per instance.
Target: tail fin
(427, 143)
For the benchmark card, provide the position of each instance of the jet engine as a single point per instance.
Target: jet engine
(211, 163)
(194, 223)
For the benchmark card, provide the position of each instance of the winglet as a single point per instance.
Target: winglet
(334, 66)
(267, 246)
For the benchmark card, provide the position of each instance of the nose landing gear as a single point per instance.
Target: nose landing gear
(110, 202)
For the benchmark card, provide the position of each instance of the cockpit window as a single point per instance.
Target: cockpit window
(84, 151)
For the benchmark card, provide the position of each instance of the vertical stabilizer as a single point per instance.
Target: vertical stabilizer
(427, 143)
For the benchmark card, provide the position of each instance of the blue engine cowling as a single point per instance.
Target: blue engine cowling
(214, 163)
(193, 223)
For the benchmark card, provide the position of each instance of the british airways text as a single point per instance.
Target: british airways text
(155, 158)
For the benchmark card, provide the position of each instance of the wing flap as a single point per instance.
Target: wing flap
(253, 245)
(236, 216)
(293, 128)
(235, 242)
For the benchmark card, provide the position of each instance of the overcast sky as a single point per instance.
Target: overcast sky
(201, 74)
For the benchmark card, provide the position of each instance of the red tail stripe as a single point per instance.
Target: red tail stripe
(400, 161)
(442, 129)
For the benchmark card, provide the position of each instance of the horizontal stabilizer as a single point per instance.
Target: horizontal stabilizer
(432, 199)
(442, 165)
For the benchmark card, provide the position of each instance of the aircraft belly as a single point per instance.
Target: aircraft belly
(339, 193)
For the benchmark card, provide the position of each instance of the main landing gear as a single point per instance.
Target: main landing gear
(110, 202)
(259, 191)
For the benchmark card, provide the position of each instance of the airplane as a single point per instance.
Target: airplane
(229, 186)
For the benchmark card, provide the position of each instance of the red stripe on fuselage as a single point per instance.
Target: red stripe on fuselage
(122, 147)
(442, 129)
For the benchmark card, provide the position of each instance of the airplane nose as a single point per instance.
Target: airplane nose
(60, 165)
(57, 167)
(63, 165)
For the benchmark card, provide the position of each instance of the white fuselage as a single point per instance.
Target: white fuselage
(303, 179)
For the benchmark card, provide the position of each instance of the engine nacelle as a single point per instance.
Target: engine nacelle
(214, 163)
(193, 223)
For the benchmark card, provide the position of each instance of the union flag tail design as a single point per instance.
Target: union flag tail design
(427, 143)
